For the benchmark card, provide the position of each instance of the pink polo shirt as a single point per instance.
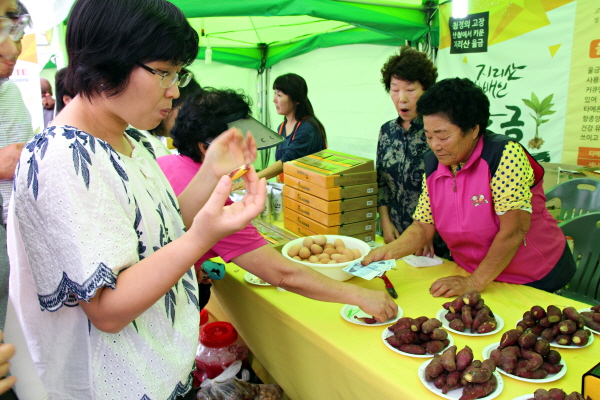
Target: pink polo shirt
(180, 170)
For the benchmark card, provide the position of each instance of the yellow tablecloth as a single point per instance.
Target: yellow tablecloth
(314, 354)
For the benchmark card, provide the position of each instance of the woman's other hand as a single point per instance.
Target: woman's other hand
(455, 285)
(222, 221)
(229, 151)
(427, 250)
(379, 253)
(390, 233)
(7, 350)
(378, 304)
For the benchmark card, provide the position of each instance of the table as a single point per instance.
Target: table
(314, 354)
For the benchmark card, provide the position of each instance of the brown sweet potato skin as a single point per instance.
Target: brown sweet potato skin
(580, 337)
(551, 369)
(590, 323)
(417, 323)
(439, 334)
(547, 335)
(471, 298)
(571, 313)
(464, 358)
(565, 340)
(567, 326)
(434, 368)
(509, 338)
(508, 360)
(553, 313)
(574, 396)
(527, 340)
(440, 381)
(488, 326)
(482, 315)
(553, 357)
(482, 374)
(467, 318)
(457, 304)
(495, 356)
(457, 325)
(434, 346)
(448, 359)
(542, 347)
(406, 336)
(534, 360)
(538, 312)
(477, 390)
(453, 378)
(541, 394)
(448, 388)
(412, 349)
(429, 325)
(557, 394)
(451, 316)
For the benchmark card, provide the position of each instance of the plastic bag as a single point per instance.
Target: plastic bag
(227, 387)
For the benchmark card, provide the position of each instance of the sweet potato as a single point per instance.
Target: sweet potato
(553, 357)
(527, 340)
(453, 378)
(457, 325)
(551, 369)
(509, 338)
(464, 358)
(495, 356)
(416, 324)
(567, 326)
(448, 359)
(482, 374)
(406, 336)
(529, 318)
(478, 390)
(595, 317)
(571, 313)
(448, 388)
(590, 323)
(553, 313)
(596, 308)
(564, 340)
(429, 325)
(479, 305)
(456, 305)
(548, 335)
(537, 329)
(555, 330)
(522, 326)
(423, 337)
(508, 360)
(451, 316)
(537, 374)
(412, 349)
(471, 298)
(439, 334)
(480, 317)
(580, 337)
(434, 346)
(574, 396)
(557, 394)
(541, 394)
(440, 380)
(466, 317)
(538, 312)
(488, 326)
(398, 326)
(446, 305)
(544, 322)
(534, 360)
(542, 347)
(434, 368)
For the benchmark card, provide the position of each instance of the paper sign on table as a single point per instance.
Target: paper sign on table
(368, 272)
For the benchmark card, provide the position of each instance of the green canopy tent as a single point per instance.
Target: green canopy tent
(260, 33)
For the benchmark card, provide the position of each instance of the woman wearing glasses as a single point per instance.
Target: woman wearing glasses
(101, 249)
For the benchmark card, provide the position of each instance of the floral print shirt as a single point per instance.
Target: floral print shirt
(81, 213)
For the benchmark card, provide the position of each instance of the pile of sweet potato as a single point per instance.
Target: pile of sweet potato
(555, 394)
(418, 335)
(592, 318)
(565, 327)
(524, 355)
(452, 370)
(469, 312)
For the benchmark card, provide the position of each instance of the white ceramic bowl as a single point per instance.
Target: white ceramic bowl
(333, 271)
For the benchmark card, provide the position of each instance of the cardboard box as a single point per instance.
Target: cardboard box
(345, 217)
(297, 229)
(328, 168)
(320, 229)
(334, 193)
(329, 207)
(365, 236)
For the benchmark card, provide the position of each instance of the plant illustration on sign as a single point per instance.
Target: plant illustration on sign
(540, 109)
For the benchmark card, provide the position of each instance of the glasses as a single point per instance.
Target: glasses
(168, 79)
(14, 30)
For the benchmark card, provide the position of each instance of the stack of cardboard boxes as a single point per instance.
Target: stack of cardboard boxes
(330, 193)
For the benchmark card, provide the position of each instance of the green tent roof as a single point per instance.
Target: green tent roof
(240, 31)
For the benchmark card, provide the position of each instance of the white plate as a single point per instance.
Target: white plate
(589, 309)
(387, 333)
(457, 393)
(571, 346)
(348, 312)
(255, 280)
(441, 315)
(550, 378)
(525, 397)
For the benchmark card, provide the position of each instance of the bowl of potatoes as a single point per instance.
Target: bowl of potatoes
(327, 254)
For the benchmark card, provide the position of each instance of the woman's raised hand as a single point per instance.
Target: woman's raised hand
(229, 151)
(215, 221)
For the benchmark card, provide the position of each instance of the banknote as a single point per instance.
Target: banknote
(370, 271)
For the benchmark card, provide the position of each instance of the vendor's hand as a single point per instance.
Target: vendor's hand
(390, 233)
(6, 352)
(455, 285)
(213, 221)
(427, 250)
(229, 151)
(379, 253)
(379, 304)
(9, 157)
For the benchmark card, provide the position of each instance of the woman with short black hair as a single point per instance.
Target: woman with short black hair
(101, 248)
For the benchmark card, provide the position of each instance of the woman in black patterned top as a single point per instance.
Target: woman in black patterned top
(401, 146)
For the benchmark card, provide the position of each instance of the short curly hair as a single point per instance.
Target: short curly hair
(458, 99)
(204, 116)
(409, 65)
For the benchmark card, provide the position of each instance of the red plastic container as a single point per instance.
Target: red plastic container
(219, 347)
